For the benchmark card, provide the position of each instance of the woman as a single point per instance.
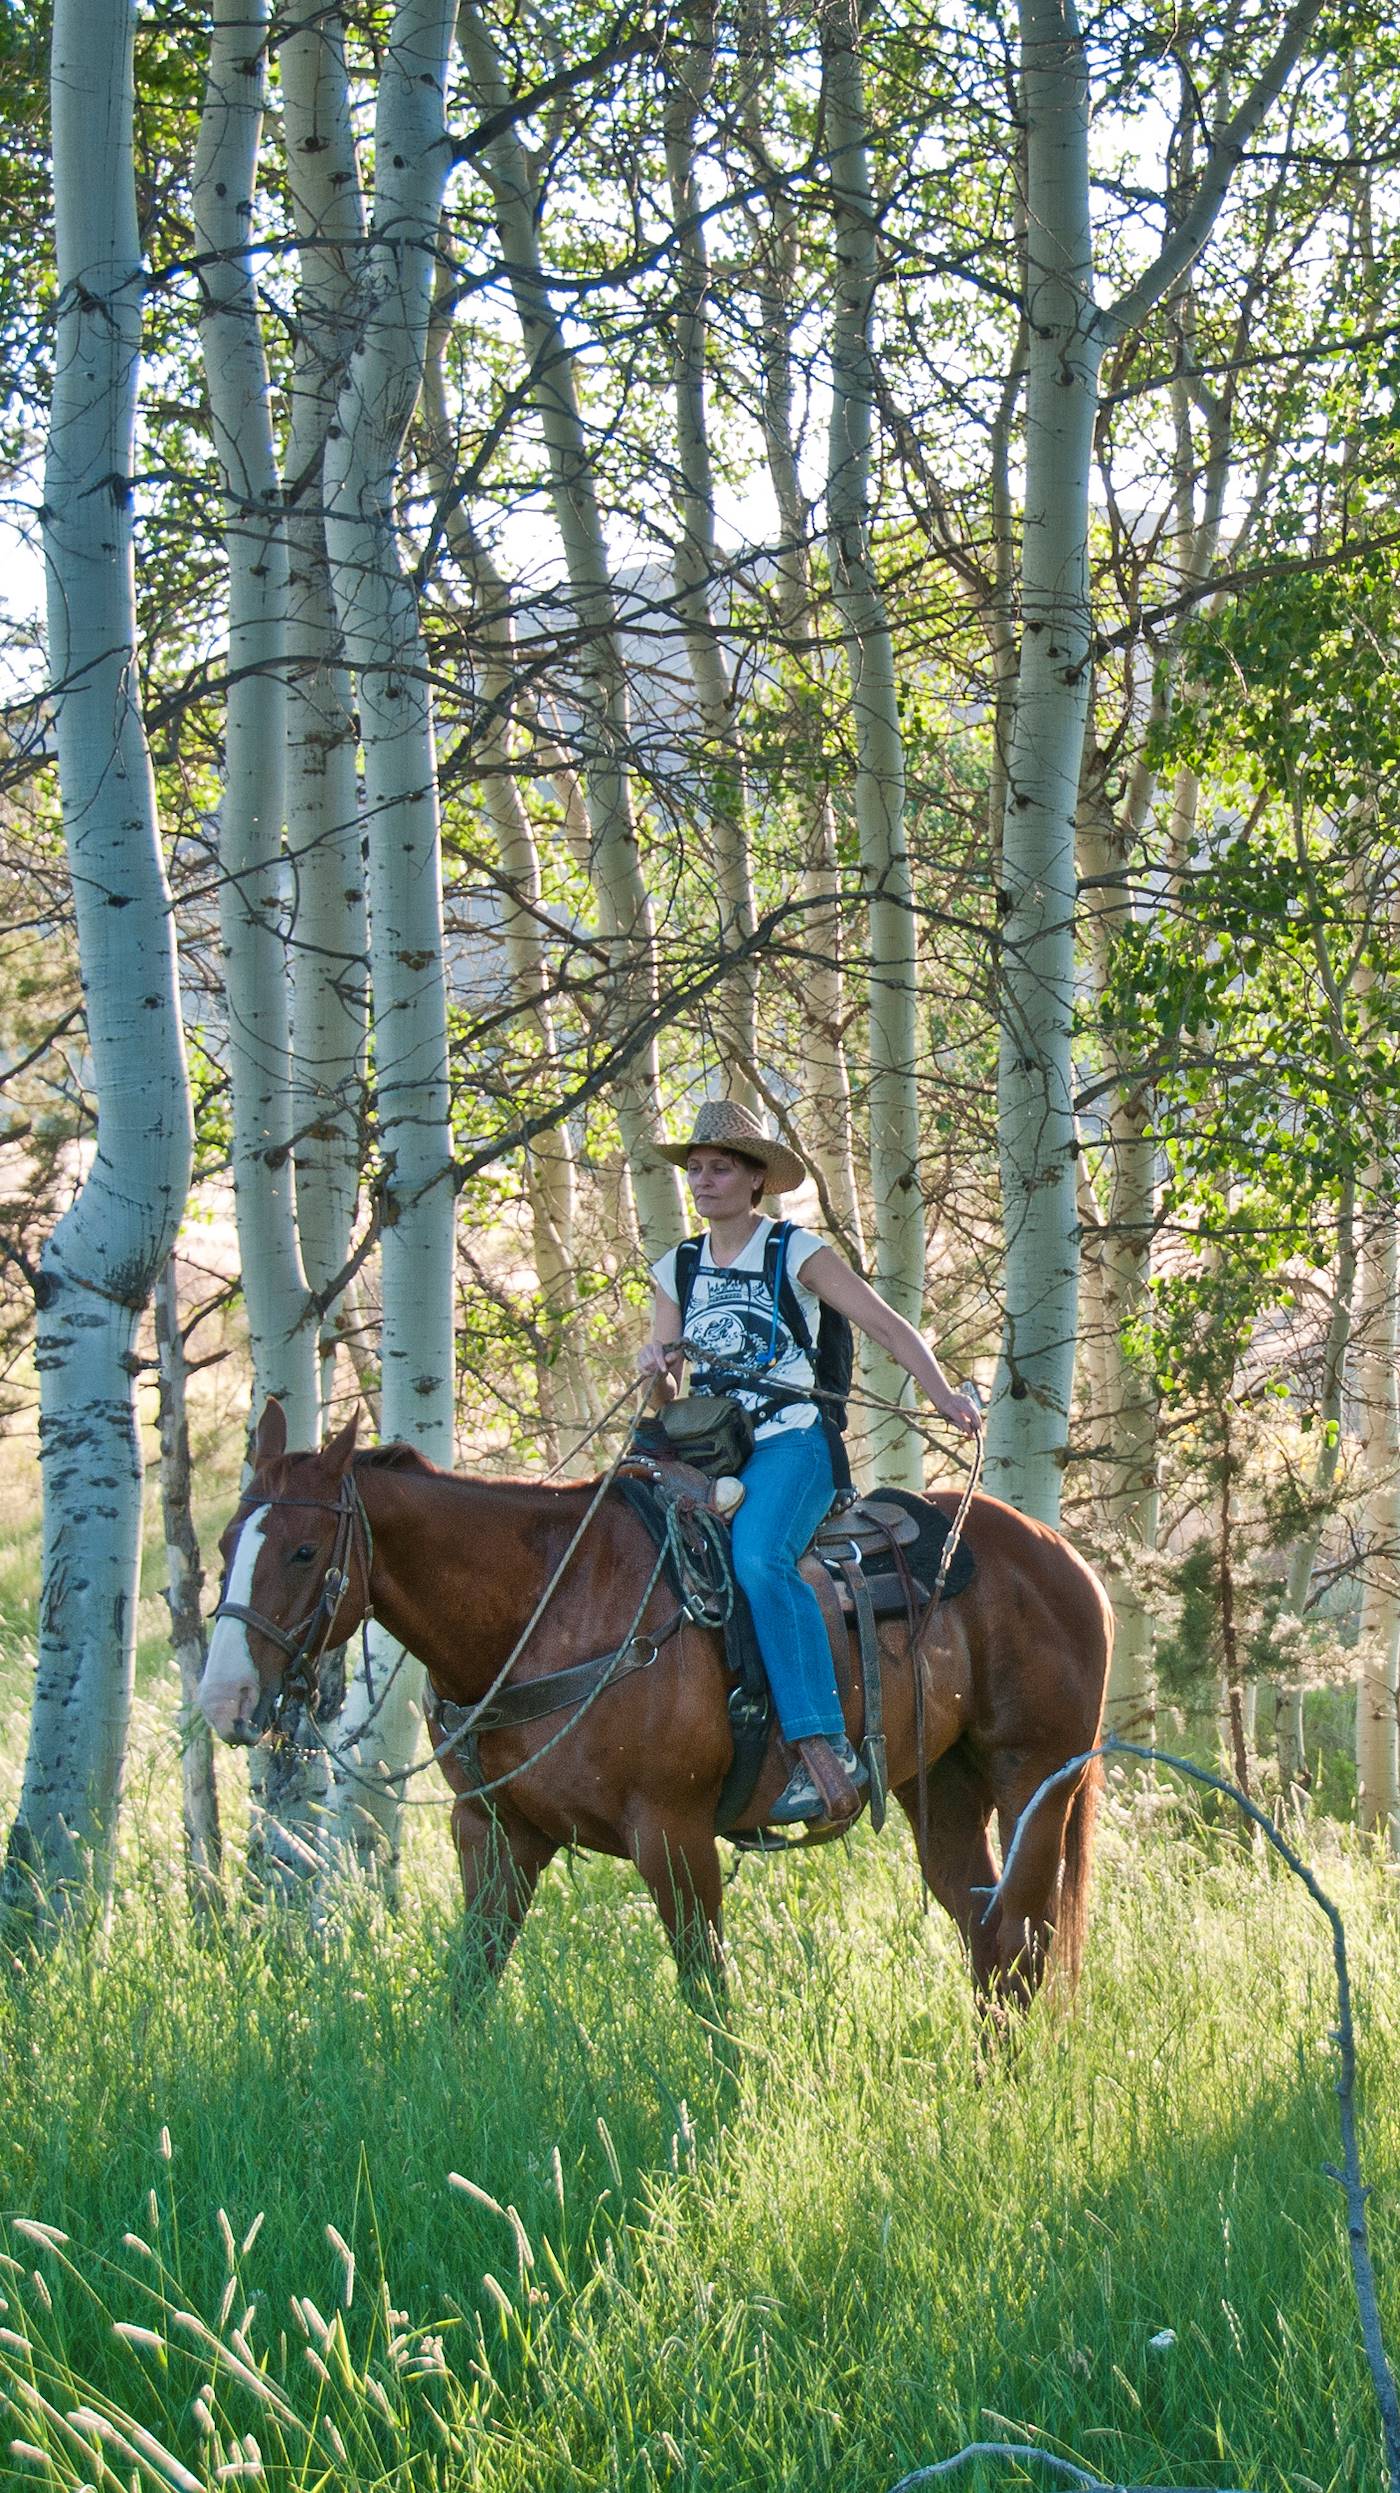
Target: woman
(731, 1164)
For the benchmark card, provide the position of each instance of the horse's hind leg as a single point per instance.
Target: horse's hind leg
(956, 1858)
(501, 1859)
(1023, 1915)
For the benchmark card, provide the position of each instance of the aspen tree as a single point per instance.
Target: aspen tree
(184, 1584)
(378, 613)
(624, 901)
(1289, 1744)
(1067, 333)
(288, 1788)
(826, 1089)
(892, 960)
(566, 1401)
(689, 65)
(327, 929)
(1376, 1353)
(251, 898)
(100, 1264)
(1378, 1346)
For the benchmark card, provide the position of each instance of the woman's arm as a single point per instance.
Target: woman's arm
(660, 1359)
(837, 1286)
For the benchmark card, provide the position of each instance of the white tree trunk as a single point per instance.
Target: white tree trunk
(281, 1323)
(184, 1586)
(1066, 336)
(689, 62)
(1377, 1753)
(566, 1402)
(567, 1405)
(324, 833)
(1289, 1743)
(826, 1106)
(1378, 1397)
(623, 899)
(100, 1264)
(1029, 1420)
(378, 614)
(1117, 1271)
(892, 1095)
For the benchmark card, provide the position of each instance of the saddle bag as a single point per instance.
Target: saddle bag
(711, 1432)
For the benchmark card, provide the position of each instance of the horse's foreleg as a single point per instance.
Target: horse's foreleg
(501, 1859)
(681, 1868)
(955, 1857)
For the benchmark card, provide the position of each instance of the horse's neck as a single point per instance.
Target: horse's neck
(459, 1565)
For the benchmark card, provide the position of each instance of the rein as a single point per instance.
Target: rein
(306, 1643)
(476, 1717)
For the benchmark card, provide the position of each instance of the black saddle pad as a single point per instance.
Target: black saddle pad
(923, 1555)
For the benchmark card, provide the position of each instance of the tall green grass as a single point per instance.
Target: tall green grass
(272, 2216)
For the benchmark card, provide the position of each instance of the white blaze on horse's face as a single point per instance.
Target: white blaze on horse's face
(230, 1688)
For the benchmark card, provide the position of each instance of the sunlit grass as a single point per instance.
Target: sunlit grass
(317, 2233)
(271, 2216)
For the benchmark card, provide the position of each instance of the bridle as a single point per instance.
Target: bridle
(306, 1643)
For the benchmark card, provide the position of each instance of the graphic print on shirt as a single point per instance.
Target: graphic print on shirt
(730, 1322)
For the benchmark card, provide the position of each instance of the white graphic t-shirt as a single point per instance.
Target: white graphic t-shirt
(730, 1321)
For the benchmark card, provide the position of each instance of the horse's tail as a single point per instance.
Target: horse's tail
(1072, 1918)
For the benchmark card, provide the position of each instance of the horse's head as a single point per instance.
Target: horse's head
(289, 1555)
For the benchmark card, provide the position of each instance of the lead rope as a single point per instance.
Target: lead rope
(695, 1589)
(340, 1756)
(672, 1549)
(629, 1391)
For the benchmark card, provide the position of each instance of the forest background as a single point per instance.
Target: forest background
(597, 558)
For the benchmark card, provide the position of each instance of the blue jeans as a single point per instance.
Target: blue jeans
(788, 1488)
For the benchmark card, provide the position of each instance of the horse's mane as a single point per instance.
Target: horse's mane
(395, 1457)
(398, 1457)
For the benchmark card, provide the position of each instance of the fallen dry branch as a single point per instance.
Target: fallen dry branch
(1021, 2451)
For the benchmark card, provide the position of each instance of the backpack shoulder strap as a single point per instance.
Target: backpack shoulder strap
(778, 1283)
(687, 1264)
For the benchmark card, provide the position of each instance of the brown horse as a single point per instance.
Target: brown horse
(1014, 1673)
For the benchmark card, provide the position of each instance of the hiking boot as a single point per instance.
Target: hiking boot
(826, 1783)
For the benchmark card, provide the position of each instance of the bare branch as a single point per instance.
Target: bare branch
(1227, 149)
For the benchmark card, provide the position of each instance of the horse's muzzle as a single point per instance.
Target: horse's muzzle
(251, 1728)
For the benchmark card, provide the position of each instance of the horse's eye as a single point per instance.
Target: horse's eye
(302, 1557)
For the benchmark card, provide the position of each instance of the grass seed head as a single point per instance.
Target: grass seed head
(132, 2333)
(473, 2190)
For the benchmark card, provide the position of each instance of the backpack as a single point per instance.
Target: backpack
(832, 1359)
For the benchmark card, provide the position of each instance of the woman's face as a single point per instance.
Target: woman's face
(721, 1185)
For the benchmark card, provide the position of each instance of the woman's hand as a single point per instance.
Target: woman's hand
(964, 1410)
(661, 1359)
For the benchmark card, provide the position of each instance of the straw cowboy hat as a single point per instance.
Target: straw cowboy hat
(723, 1125)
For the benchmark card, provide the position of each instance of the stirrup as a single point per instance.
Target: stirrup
(824, 1784)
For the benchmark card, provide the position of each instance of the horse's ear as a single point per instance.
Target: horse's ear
(271, 1439)
(336, 1456)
